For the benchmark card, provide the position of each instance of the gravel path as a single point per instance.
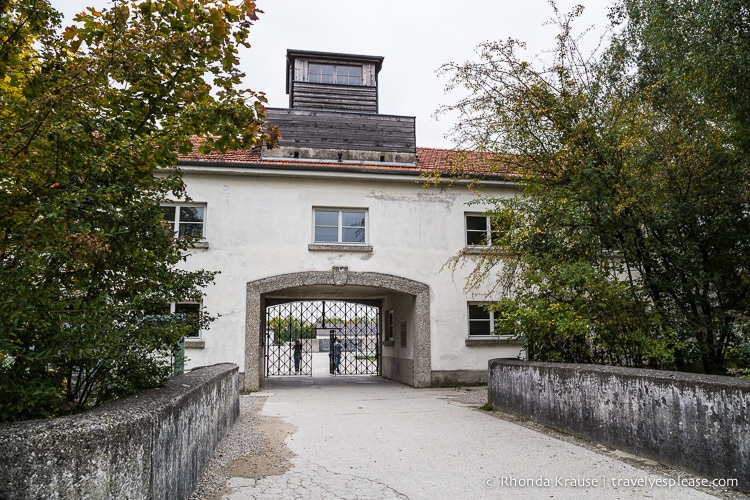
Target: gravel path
(254, 448)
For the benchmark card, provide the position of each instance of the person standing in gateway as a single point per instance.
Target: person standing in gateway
(337, 348)
(297, 354)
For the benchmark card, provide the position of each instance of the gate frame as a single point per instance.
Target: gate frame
(279, 355)
(337, 278)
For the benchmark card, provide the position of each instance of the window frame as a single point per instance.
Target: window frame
(488, 231)
(494, 316)
(340, 227)
(389, 328)
(335, 74)
(176, 223)
(173, 306)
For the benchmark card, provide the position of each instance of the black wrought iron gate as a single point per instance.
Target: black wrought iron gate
(316, 324)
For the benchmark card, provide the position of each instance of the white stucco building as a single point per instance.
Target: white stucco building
(340, 212)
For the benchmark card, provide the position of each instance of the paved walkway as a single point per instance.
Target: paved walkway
(369, 438)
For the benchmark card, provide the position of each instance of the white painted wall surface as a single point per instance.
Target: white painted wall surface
(258, 226)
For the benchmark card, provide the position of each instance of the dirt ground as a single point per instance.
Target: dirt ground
(274, 456)
(254, 448)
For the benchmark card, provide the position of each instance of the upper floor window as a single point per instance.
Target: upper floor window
(187, 220)
(336, 74)
(479, 230)
(340, 225)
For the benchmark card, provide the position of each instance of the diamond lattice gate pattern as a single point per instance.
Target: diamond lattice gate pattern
(316, 324)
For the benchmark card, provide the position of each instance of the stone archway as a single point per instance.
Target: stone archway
(338, 280)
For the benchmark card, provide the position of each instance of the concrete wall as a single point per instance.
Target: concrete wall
(697, 422)
(458, 378)
(153, 445)
(399, 369)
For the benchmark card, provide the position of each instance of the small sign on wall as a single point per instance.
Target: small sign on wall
(403, 333)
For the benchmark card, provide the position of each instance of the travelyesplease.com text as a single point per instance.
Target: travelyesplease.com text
(645, 481)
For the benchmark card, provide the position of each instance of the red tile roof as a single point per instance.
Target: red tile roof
(430, 161)
(234, 156)
(464, 163)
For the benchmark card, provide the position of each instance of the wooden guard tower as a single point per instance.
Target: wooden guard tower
(333, 112)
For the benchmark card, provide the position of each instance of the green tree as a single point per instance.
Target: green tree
(631, 242)
(93, 120)
(289, 329)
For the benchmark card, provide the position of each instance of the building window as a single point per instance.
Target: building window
(482, 321)
(186, 220)
(479, 230)
(192, 312)
(335, 74)
(389, 333)
(340, 226)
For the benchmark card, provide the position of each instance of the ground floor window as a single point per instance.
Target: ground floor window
(481, 320)
(192, 311)
(390, 328)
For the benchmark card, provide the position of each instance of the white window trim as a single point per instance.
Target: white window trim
(469, 321)
(488, 230)
(491, 339)
(176, 223)
(389, 330)
(491, 335)
(173, 310)
(342, 245)
(335, 73)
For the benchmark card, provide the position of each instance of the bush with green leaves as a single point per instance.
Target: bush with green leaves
(94, 118)
(630, 242)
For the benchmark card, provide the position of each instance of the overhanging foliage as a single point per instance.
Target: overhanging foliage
(90, 116)
(631, 242)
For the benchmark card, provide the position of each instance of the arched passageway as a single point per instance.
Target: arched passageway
(404, 337)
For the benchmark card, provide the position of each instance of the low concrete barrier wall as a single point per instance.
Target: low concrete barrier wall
(152, 445)
(697, 422)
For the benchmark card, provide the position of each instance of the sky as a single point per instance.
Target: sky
(415, 37)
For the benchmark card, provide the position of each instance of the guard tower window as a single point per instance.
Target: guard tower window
(334, 74)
